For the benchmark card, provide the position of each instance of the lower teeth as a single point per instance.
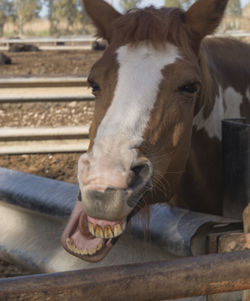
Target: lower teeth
(73, 248)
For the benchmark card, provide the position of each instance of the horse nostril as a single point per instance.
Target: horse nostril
(141, 172)
(130, 177)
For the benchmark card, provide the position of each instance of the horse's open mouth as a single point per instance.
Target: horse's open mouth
(90, 239)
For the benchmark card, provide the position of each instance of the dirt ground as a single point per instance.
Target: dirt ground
(50, 63)
(56, 166)
(10, 270)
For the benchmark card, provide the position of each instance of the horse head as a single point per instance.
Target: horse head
(147, 88)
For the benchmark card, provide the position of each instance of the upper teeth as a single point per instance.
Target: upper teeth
(117, 230)
(98, 231)
(107, 232)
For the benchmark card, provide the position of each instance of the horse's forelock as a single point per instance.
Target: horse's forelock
(155, 26)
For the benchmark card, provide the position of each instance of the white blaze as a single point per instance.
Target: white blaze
(139, 77)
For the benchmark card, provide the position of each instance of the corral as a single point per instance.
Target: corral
(223, 265)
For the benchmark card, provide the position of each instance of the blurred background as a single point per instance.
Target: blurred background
(41, 18)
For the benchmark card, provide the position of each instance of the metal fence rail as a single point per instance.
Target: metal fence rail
(43, 140)
(79, 40)
(74, 43)
(57, 89)
(46, 98)
(41, 82)
(188, 277)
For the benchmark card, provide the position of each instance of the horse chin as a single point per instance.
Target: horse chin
(88, 238)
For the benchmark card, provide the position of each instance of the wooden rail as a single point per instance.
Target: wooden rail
(181, 278)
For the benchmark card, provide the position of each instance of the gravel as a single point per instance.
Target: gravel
(46, 114)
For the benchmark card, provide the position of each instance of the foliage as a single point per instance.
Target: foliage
(234, 8)
(24, 11)
(6, 7)
(6, 11)
(68, 11)
(129, 4)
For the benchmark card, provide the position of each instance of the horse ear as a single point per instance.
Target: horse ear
(204, 16)
(102, 14)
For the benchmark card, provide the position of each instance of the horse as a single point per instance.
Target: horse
(161, 88)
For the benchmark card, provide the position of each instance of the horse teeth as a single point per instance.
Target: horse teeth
(69, 242)
(77, 251)
(99, 232)
(84, 252)
(117, 230)
(91, 229)
(99, 247)
(108, 232)
(74, 249)
(92, 251)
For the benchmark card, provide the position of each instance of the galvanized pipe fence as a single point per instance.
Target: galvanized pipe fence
(181, 278)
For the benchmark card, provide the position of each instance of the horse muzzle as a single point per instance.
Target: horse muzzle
(116, 204)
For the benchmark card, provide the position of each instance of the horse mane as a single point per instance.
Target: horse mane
(151, 25)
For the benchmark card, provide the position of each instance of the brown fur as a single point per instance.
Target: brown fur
(101, 13)
(204, 16)
(155, 26)
(187, 163)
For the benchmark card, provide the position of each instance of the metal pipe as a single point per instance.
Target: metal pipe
(84, 39)
(41, 82)
(181, 278)
(45, 98)
(59, 48)
(28, 133)
(43, 140)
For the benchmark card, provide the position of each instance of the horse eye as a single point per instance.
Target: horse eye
(188, 88)
(95, 87)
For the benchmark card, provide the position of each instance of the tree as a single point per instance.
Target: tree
(68, 11)
(234, 8)
(3, 19)
(6, 10)
(129, 4)
(65, 10)
(25, 10)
